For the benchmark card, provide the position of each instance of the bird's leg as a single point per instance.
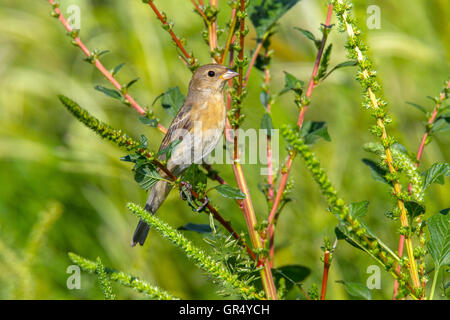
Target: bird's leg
(203, 205)
(186, 188)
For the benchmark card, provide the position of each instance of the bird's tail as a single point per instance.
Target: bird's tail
(157, 196)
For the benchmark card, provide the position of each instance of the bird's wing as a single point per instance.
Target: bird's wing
(183, 121)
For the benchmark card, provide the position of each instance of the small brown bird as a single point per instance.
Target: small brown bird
(197, 126)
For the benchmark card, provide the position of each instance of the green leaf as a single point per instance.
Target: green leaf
(350, 63)
(172, 100)
(292, 83)
(417, 106)
(146, 176)
(359, 209)
(265, 13)
(109, 92)
(266, 123)
(435, 173)
(148, 122)
(442, 124)
(143, 143)
(129, 84)
(313, 130)
(414, 209)
(199, 228)
(357, 290)
(293, 274)
(439, 243)
(229, 192)
(117, 68)
(324, 62)
(196, 178)
(310, 36)
(264, 98)
(377, 172)
(130, 158)
(167, 152)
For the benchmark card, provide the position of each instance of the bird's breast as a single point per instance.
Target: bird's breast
(211, 113)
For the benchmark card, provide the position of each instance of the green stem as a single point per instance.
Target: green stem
(433, 286)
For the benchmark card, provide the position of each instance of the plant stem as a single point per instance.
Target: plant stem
(177, 41)
(230, 35)
(287, 167)
(326, 269)
(366, 77)
(99, 65)
(423, 141)
(253, 60)
(246, 204)
(433, 286)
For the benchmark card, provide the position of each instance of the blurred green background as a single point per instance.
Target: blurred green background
(49, 162)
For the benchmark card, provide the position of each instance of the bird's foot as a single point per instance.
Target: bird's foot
(203, 205)
(186, 188)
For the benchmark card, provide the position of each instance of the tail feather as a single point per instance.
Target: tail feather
(157, 196)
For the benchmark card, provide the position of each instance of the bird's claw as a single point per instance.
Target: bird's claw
(203, 205)
(187, 188)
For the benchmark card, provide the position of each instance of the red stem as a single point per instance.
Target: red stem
(287, 168)
(100, 66)
(253, 61)
(172, 34)
(326, 269)
(288, 165)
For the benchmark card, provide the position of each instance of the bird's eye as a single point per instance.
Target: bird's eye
(211, 73)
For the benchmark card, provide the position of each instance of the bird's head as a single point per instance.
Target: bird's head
(211, 78)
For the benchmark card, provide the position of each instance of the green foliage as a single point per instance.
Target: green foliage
(102, 129)
(264, 14)
(314, 130)
(124, 279)
(171, 100)
(435, 173)
(294, 275)
(216, 270)
(377, 171)
(310, 36)
(46, 155)
(199, 228)
(357, 290)
(439, 244)
(104, 281)
(344, 64)
(291, 83)
(230, 192)
(266, 123)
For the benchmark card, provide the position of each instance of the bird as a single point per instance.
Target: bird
(195, 131)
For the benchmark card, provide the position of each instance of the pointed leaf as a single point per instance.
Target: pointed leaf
(172, 101)
(265, 13)
(439, 243)
(293, 274)
(148, 122)
(199, 228)
(117, 69)
(109, 92)
(419, 107)
(350, 63)
(230, 192)
(435, 173)
(357, 290)
(359, 209)
(292, 83)
(266, 123)
(313, 130)
(377, 172)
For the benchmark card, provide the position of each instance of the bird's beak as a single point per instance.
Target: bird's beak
(229, 74)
